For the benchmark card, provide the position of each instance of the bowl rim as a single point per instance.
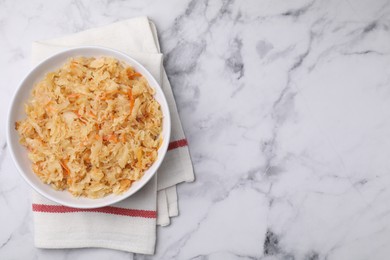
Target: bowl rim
(10, 126)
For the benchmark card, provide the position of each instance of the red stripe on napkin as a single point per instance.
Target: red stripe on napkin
(177, 144)
(108, 209)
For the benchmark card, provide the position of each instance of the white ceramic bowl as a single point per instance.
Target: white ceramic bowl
(16, 113)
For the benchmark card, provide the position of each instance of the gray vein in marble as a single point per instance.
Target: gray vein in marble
(312, 256)
(234, 62)
(223, 11)
(175, 63)
(296, 13)
(235, 255)
(358, 35)
(282, 107)
(3, 153)
(6, 242)
(271, 244)
(272, 248)
(197, 8)
(364, 53)
(3, 195)
(263, 47)
(370, 27)
(183, 240)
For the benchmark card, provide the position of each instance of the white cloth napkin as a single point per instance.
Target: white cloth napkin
(131, 224)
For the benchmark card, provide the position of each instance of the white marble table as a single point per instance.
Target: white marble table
(286, 106)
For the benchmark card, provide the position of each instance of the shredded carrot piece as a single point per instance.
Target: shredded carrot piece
(97, 137)
(131, 74)
(139, 157)
(73, 95)
(63, 164)
(107, 95)
(77, 113)
(92, 114)
(135, 75)
(131, 98)
(103, 97)
(83, 120)
(123, 138)
(113, 138)
(116, 92)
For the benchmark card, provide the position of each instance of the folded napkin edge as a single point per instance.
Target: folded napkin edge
(110, 244)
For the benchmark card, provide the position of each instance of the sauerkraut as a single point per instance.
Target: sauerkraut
(93, 127)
